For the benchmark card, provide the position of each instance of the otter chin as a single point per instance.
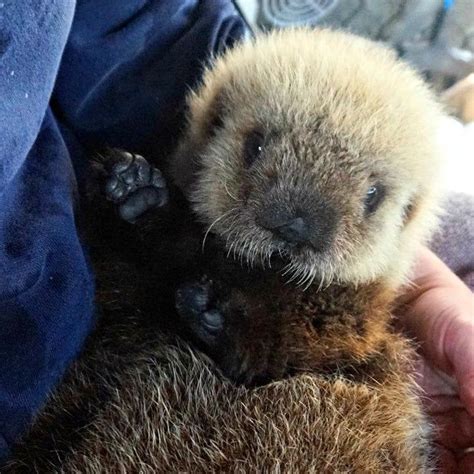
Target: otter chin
(317, 147)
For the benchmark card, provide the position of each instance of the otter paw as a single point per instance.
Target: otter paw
(195, 304)
(135, 186)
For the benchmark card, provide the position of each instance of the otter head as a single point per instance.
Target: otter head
(316, 147)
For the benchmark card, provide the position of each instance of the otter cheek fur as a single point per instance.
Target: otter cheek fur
(312, 146)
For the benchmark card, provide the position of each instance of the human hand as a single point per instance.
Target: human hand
(439, 312)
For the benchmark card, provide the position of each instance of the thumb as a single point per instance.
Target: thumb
(439, 312)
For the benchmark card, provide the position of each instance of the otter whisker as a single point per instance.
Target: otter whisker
(258, 253)
(254, 252)
(241, 252)
(290, 267)
(266, 258)
(244, 245)
(296, 273)
(321, 281)
(251, 255)
(229, 249)
(229, 193)
(309, 279)
(303, 278)
(226, 214)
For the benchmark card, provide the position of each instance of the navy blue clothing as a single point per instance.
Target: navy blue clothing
(113, 71)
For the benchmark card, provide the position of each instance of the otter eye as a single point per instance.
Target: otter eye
(373, 198)
(253, 147)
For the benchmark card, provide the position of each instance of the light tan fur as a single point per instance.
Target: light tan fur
(169, 412)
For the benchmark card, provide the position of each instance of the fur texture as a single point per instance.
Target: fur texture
(338, 114)
(140, 400)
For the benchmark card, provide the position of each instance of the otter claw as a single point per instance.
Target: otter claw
(135, 186)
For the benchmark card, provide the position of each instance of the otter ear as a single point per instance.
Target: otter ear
(185, 165)
(204, 120)
(410, 210)
(213, 116)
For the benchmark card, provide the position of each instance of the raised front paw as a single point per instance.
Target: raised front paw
(135, 186)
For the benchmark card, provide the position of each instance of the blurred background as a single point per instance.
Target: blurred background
(434, 36)
(437, 36)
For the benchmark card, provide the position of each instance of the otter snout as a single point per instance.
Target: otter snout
(312, 226)
(295, 231)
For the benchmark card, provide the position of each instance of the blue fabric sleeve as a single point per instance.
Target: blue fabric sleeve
(33, 34)
(122, 80)
(124, 67)
(46, 287)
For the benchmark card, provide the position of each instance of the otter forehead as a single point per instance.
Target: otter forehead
(349, 89)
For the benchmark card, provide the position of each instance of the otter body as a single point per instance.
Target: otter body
(343, 399)
(310, 168)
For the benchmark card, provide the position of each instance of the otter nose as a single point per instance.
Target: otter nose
(295, 231)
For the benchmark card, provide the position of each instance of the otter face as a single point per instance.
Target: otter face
(315, 147)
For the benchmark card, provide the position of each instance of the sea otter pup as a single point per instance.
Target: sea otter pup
(309, 155)
(318, 146)
(326, 168)
(322, 164)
